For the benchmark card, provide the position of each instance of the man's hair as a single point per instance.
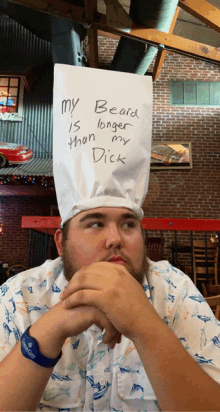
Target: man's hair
(65, 232)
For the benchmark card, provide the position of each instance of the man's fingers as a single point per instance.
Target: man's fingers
(112, 344)
(109, 335)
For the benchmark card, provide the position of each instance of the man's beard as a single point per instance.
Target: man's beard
(69, 269)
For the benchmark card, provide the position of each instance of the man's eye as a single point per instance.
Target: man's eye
(131, 224)
(96, 223)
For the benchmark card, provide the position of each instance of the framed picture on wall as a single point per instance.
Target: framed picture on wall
(171, 155)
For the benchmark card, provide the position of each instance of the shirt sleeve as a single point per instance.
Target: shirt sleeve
(194, 323)
(9, 332)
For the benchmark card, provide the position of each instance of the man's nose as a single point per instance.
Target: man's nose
(113, 236)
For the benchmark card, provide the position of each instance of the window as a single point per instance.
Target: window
(11, 98)
(194, 93)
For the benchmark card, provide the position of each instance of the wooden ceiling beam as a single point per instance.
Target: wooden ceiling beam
(171, 42)
(91, 10)
(162, 53)
(204, 11)
(109, 35)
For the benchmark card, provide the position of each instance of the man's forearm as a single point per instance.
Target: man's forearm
(22, 381)
(178, 381)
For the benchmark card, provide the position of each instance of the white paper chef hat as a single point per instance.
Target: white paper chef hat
(102, 125)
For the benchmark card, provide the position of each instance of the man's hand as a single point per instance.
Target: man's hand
(78, 319)
(54, 327)
(113, 290)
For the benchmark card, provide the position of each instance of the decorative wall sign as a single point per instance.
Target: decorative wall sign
(170, 155)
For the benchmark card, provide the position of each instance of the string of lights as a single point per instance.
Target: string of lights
(46, 181)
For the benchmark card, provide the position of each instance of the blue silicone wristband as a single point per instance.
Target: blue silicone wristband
(30, 350)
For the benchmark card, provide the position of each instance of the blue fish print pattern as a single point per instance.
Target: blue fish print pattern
(174, 269)
(204, 318)
(90, 379)
(169, 282)
(101, 390)
(91, 407)
(28, 280)
(17, 334)
(176, 317)
(19, 293)
(58, 270)
(107, 369)
(31, 308)
(129, 370)
(170, 298)
(203, 338)
(182, 339)
(76, 344)
(3, 290)
(216, 341)
(146, 287)
(166, 320)
(52, 393)
(118, 360)
(59, 377)
(55, 288)
(7, 315)
(97, 357)
(30, 288)
(195, 312)
(137, 388)
(82, 373)
(72, 366)
(201, 359)
(43, 284)
(13, 304)
(7, 332)
(198, 298)
(184, 294)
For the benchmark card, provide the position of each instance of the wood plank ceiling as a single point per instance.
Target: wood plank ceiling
(194, 30)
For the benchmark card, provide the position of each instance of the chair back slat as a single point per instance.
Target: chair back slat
(154, 248)
(205, 261)
(214, 303)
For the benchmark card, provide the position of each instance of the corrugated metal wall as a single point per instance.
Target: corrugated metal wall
(20, 50)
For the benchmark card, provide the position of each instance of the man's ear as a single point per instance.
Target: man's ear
(58, 237)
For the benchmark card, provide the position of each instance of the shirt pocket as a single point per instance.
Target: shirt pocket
(62, 395)
(133, 392)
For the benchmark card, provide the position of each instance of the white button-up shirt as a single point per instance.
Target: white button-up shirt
(90, 376)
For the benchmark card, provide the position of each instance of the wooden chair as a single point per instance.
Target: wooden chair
(210, 290)
(214, 303)
(207, 274)
(154, 248)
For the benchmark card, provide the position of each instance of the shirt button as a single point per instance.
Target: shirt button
(102, 381)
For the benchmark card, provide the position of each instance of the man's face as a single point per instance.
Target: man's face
(98, 234)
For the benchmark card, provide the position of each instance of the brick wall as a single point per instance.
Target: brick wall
(14, 240)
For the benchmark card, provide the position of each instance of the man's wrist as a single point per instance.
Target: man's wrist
(50, 344)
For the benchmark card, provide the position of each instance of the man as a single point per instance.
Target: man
(115, 295)
(163, 339)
